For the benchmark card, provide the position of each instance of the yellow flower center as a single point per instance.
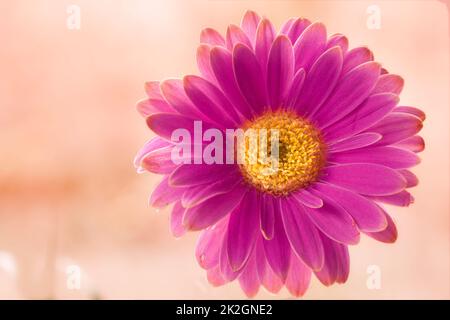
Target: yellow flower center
(300, 156)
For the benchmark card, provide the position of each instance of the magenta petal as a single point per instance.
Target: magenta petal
(302, 234)
(225, 269)
(388, 235)
(265, 34)
(280, 70)
(310, 45)
(249, 24)
(299, 277)
(391, 157)
(212, 37)
(413, 144)
(320, 81)
(334, 221)
(164, 124)
(297, 28)
(210, 101)
(367, 114)
(209, 244)
(411, 110)
(286, 26)
(164, 195)
(176, 218)
(364, 178)
(355, 142)
(204, 64)
(295, 91)
(212, 210)
(337, 262)
(243, 228)
(356, 57)
(396, 127)
(248, 279)
(187, 175)
(248, 76)
(352, 90)
(308, 199)
(267, 215)
(411, 178)
(278, 248)
(389, 83)
(197, 194)
(235, 36)
(338, 40)
(222, 64)
(401, 199)
(365, 212)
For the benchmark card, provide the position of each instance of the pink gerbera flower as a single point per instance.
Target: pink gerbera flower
(345, 150)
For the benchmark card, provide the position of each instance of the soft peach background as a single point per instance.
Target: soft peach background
(69, 194)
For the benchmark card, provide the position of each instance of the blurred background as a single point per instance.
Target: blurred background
(74, 219)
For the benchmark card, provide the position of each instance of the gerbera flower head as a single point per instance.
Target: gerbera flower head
(343, 146)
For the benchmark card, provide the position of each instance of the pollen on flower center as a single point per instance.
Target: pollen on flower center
(301, 153)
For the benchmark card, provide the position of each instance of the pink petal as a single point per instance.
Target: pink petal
(367, 114)
(302, 234)
(297, 28)
(352, 90)
(225, 269)
(188, 175)
(173, 91)
(308, 199)
(222, 65)
(365, 212)
(338, 40)
(248, 279)
(337, 263)
(212, 210)
(197, 194)
(413, 144)
(147, 107)
(356, 57)
(320, 81)
(243, 229)
(176, 218)
(355, 142)
(265, 34)
(152, 145)
(278, 248)
(207, 250)
(248, 76)
(249, 24)
(389, 83)
(293, 97)
(388, 235)
(364, 178)
(334, 221)
(411, 110)
(164, 124)
(411, 178)
(391, 157)
(267, 216)
(212, 37)
(210, 101)
(159, 161)
(164, 195)
(215, 277)
(280, 70)
(235, 36)
(396, 127)
(401, 199)
(299, 277)
(310, 45)
(153, 90)
(204, 64)
(266, 276)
